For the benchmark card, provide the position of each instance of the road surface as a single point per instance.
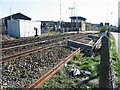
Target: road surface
(117, 41)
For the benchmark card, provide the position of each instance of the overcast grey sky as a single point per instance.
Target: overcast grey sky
(95, 11)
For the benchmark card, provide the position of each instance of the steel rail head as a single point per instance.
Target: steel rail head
(51, 72)
(8, 58)
(31, 51)
(26, 53)
(29, 39)
(24, 45)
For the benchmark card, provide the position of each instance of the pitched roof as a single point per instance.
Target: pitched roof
(18, 16)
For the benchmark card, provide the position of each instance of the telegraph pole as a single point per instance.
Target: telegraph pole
(60, 10)
(72, 9)
(11, 13)
(60, 16)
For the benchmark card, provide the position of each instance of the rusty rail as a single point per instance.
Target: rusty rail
(28, 52)
(34, 43)
(50, 73)
(24, 45)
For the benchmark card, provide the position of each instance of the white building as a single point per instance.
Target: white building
(23, 28)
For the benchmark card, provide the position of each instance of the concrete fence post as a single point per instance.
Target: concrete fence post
(105, 74)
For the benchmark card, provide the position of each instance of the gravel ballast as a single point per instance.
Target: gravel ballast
(23, 71)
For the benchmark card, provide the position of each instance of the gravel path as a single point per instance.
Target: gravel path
(117, 40)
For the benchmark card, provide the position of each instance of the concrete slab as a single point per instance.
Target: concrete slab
(80, 45)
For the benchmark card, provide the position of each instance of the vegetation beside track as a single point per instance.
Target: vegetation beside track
(63, 79)
(115, 59)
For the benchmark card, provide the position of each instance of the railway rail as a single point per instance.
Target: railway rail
(34, 43)
(29, 52)
(10, 51)
(21, 41)
(31, 66)
(51, 71)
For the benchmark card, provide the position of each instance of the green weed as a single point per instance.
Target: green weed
(115, 58)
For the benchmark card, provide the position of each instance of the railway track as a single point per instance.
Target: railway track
(51, 72)
(10, 43)
(26, 53)
(10, 51)
(23, 69)
(29, 52)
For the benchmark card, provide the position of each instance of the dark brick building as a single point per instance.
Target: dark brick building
(77, 23)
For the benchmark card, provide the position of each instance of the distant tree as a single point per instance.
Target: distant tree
(101, 24)
(103, 29)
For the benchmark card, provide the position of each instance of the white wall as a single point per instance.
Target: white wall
(27, 28)
(23, 28)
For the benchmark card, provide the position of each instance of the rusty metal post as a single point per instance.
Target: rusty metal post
(105, 74)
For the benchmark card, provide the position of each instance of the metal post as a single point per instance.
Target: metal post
(36, 31)
(60, 17)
